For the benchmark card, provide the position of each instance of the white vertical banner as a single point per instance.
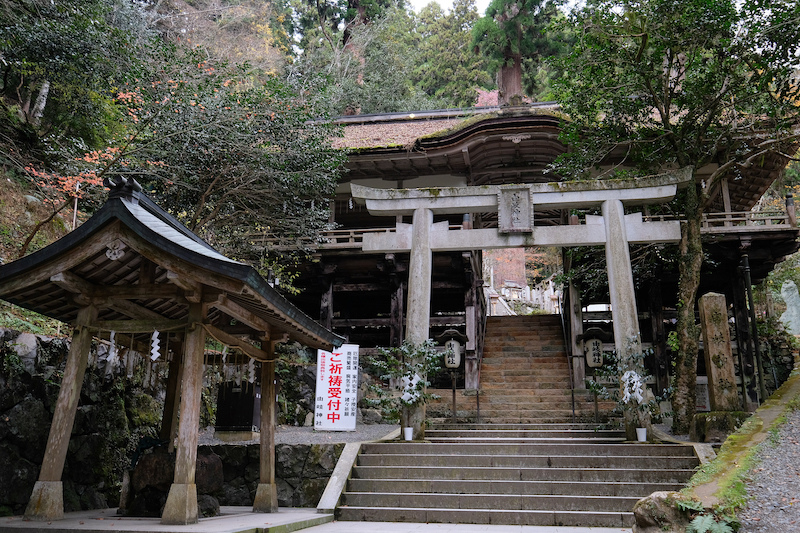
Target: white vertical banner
(337, 389)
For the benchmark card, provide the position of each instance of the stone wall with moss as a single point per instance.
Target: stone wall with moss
(112, 416)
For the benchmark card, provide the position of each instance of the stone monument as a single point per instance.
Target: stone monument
(791, 318)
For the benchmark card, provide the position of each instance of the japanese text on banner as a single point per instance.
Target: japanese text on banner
(337, 389)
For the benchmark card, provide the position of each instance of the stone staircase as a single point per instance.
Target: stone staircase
(525, 376)
(571, 475)
(527, 462)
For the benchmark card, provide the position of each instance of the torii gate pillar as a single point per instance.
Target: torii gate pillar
(419, 301)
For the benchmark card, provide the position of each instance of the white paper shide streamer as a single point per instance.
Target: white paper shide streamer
(155, 352)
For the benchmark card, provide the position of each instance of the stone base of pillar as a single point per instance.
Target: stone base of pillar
(181, 506)
(47, 502)
(266, 500)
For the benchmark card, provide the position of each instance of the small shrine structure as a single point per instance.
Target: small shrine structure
(132, 268)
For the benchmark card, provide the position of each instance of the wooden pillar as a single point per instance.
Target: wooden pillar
(169, 420)
(396, 312)
(181, 506)
(326, 305)
(47, 499)
(266, 500)
(575, 310)
(471, 370)
(745, 355)
(660, 366)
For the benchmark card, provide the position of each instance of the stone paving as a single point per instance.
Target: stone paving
(243, 520)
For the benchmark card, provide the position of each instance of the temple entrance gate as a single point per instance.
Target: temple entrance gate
(514, 205)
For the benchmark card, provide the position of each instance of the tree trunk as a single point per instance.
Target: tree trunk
(509, 83)
(691, 260)
(41, 101)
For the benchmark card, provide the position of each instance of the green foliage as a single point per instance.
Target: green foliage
(669, 77)
(405, 370)
(689, 505)
(59, 60)
(679, 84)
(17, 318)
(238, 158)
(446, 66)
(708, 524)
(372, 73)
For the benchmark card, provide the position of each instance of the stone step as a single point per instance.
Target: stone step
(462, 486)
(473, 425)
(525, 433)
(526, 502)
(596, 475)
(634, 449)
(528, 461)
(485, 516)
(528, 381)
(527, 391)
(529, 365)
(539, 414)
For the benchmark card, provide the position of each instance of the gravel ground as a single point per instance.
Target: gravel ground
(774, 491)
(307, 435)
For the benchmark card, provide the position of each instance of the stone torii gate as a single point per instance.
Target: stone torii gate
(514, 205)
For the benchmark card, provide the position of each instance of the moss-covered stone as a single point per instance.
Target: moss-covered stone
(716, 425)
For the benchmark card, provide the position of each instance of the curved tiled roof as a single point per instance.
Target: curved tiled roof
(130, 242)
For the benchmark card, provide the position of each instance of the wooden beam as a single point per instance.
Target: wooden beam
(133, 310)
(139, 326)
(140, 292)
(72, 283)
(234, 310)
(77, 285)
(235, 342)
(192, 289)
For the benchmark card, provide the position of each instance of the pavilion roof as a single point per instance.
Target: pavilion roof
(142, 268)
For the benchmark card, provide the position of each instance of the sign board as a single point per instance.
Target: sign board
(515, 210)
(337, 389)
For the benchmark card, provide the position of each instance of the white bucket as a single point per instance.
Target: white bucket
(408, 433)
(641, 434)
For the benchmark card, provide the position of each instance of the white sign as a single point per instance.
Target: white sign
(337, 389)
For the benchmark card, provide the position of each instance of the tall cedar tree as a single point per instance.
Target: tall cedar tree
(513, 31)
(677, 84)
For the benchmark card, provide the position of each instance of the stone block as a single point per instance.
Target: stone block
(716, 425)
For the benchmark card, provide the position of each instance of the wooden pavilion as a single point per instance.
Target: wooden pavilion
(132, 268)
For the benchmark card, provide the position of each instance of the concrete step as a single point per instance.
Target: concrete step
(467, 486)
(542, 502)
(529, 461)
(525, 433)
(630, 449)
(485, 516)
(597, 475)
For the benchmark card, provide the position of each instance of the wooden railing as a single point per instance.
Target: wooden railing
(713, 223)
(737, 221)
